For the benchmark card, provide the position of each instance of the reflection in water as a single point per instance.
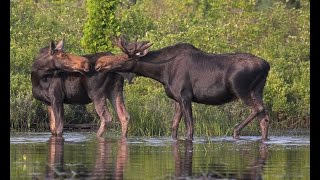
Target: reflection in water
(44, 157)
(256, 169)
(102, 166)
(183, 164)
(183, 154)
(122, 159)
(55, 158)
(104, 157)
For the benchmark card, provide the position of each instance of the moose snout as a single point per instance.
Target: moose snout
(86, 67)
(99, 67)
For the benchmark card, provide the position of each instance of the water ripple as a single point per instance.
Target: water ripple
(32, 137)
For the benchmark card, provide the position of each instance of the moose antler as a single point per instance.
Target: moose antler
(131, 48)
(143, 45)
(121, 43)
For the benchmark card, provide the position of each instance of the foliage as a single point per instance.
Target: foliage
(273, 30)
(100, 25)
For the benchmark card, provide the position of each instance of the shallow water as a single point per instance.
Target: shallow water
(83, 156)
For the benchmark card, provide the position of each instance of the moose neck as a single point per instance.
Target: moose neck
(151, 70)
(154, 65)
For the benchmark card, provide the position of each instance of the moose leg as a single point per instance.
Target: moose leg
(56, 115)
(264, 124)
(257, 96)
(176, 120)
(52, 120)
(239, 127)
(56, 111)
(187, 113)
(116, 98)
(123, 114)
(249, 101)
(255, 101)
(105, 116)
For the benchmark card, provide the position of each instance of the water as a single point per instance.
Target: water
(83, 156)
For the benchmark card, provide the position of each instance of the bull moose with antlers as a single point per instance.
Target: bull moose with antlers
(59, 77)
(191, 75)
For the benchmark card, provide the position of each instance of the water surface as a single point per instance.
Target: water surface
(83, 156)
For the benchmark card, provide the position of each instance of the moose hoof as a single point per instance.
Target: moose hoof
(174, 137)
(264, 139)
(236, 135)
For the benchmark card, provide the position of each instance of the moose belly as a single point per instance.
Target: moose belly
(77, 99)
(75, 94)
(212, 97)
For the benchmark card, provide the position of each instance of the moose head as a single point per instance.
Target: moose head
(132, 52)
(54, 58)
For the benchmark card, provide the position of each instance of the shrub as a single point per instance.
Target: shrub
(100, 25)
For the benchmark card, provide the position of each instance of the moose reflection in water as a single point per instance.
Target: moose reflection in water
(60, 78)
(103, 165)
(183, 157)
(55, 167)
(83, 156)
(183, 163)
(104, 157)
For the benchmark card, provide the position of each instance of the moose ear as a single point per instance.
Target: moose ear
(141, 54)
(145, 47)
(60, 45)
(51, 47)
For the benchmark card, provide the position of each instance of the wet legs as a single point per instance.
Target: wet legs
(105, 116)
(176, 120)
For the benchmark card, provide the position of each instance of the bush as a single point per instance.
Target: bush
(100, 25)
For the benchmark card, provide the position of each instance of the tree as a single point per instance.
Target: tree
(100, 25)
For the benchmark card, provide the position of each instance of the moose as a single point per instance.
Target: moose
(59, 77)
(190, 75)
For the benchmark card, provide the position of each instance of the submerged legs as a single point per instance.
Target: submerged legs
(188, 119)
(244, 123)
(123, 115)
(116, 98)
(176, 120)
(264, 124)
(260, 112)
(105, 116)
(56, 115)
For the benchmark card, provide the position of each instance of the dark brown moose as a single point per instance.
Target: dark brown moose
(191, 75)
(58, 78)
